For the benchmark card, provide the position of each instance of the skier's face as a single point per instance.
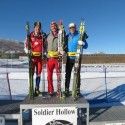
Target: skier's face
(54, 28)
(37, 29)
(72, 29)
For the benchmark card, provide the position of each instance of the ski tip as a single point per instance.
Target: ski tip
(27, 26)
(83, 20)
(27, 22)
(60, 22)
(82, 27)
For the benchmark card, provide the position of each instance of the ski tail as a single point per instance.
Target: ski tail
(43, 75)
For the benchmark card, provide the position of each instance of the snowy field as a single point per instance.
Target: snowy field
(96, 80)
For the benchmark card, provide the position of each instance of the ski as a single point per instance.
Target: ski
(43, 93)
(31, 84)
(60, 79)
(43, 75)
(44, 61)
(78, 59)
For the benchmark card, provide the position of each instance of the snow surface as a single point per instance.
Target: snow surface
(94, 85)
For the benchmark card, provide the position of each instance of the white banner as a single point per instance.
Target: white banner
(54, 116)
(2, 120)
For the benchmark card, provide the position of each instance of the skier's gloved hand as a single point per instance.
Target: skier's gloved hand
(60, 31)
(81, 43)
(26, 50)
(62, 52)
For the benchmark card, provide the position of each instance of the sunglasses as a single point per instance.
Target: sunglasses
(71, 27)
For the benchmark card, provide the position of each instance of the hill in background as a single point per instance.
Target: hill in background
(9, 46)
(15, 49)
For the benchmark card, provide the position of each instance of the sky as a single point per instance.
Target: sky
(104, 20)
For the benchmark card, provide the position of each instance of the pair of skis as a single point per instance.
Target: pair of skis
(61, 43)
(31, 84)
(77, 64)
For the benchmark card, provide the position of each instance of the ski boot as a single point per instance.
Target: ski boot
(67, 94)
(37, 92)
(58, 94)
(79, 95)
(50, 95)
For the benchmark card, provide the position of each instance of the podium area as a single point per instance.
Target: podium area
(20, 112)
(80, 104)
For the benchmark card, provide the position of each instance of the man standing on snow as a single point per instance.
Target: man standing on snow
(37, 40)
(72, 40)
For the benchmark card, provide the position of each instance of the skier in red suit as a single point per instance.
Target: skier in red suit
(37, 40)
(52, 55)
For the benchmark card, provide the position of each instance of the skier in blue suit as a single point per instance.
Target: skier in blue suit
(72, 40)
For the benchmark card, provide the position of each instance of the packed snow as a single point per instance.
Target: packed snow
(96, 80)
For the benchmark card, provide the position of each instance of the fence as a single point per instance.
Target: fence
(97, 82)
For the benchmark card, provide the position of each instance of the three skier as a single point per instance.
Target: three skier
(41, 44)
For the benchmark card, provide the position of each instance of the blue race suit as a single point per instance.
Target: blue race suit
(71, 46)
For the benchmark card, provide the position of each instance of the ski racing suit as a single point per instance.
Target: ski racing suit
(37, 49)
(52, 61)
(71, 48)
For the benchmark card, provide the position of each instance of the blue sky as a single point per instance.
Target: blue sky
(105, 20)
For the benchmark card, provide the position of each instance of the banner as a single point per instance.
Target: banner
(54, 116)
(2, 120)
